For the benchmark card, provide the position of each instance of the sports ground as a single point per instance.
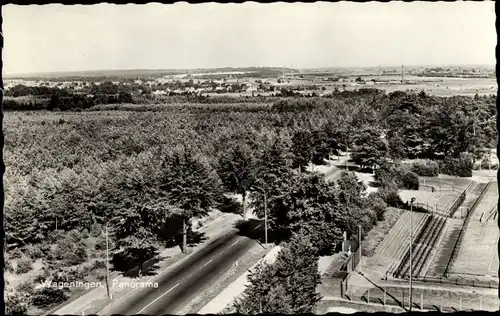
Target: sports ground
(450, 252)
(478, 253)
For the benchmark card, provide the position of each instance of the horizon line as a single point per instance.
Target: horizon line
(33, 74)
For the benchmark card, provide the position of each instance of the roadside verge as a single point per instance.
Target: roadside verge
(235, 289)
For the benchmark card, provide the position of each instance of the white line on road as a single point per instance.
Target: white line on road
(257, 227)
(158, 298)
(207, 262)
(235, 243)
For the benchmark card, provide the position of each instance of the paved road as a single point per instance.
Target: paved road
(188, 280)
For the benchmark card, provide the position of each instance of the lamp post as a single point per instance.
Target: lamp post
(107, 254)
(411, 246)
(265, 211)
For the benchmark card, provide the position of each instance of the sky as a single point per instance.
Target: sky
(54, 37)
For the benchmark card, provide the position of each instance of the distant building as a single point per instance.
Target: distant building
(160, 92)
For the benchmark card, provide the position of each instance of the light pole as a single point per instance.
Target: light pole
(411, 246)
(265, 211)
(107, 254)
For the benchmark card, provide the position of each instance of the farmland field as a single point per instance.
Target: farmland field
(432, 86)
(478, 254)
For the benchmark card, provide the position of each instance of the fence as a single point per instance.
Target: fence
(424, 206)
(423, 301)
(455, 281)
(461, 235)
(431, 188)
(448, 211)
(350, 265)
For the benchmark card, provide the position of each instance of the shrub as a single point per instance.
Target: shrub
(16, 253)
(391, 197)
(461, 167)
(42, 276)
(8, 266)
(70, 252)
(378, 205)
(60, 276)
(398, 176)
(48, 296)
(410, 181)
(95, 230)
(26, 288)
(16, 303)
(98, 264)
(384, 175)
(24, 265)
(34, 251)
(425, 168)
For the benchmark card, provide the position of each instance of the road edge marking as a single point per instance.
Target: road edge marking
(173, 287)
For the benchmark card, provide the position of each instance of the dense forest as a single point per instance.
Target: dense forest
(160, 166)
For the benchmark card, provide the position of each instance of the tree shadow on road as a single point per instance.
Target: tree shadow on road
(129, 266)
(255, 229)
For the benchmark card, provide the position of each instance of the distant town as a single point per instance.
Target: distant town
(125, 86)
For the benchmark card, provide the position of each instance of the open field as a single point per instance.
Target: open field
(478, 253)
(437, 86)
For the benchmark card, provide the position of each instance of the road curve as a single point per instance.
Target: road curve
(186, 281)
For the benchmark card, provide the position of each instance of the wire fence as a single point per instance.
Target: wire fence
(432, 188)
(455, 281)
(450, 209)
(421, 300)
(461, 234)
(351, 265)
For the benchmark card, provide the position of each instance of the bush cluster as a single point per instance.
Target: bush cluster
(378, 205)
(70, 251)
(425, 168)
(397, 175)
(49, 296)
(461, 167)
(16, 303)
(391, 196)
(24, 265)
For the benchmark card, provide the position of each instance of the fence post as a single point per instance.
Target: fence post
(421, 301)
(441, 307)
(403, 298)
(460, 304)
(384, 295)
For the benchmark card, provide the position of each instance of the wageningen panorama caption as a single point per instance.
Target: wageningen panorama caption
(248, 158)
